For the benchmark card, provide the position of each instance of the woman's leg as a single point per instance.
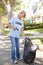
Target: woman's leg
(17, 48)
(13, 49)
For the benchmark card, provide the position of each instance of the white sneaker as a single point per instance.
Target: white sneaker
(20, 59)
(15, 62)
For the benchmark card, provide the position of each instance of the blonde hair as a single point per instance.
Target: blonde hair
(24, 13)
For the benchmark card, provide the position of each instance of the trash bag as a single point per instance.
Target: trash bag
(29, 51)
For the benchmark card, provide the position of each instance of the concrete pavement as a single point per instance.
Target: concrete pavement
(5, 54)
(34, 34)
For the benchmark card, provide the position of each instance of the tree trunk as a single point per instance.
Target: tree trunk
(0, 22)
(9, 7)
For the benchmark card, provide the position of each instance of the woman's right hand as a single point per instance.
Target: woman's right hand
(14, 28)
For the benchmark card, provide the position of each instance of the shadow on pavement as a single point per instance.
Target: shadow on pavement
(5, 58)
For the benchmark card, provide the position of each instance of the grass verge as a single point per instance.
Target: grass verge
(35, 30)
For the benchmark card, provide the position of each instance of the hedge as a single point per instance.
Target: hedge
(33, 26)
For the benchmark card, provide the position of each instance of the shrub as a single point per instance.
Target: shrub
(32, 25)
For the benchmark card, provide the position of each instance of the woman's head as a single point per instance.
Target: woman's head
(22, 14)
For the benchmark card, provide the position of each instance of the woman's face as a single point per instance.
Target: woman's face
(21, 15)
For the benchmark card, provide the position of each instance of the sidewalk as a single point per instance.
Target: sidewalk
(34, 34)
(5, 53)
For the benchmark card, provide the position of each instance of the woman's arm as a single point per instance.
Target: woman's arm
(10, 26)
(22, 32)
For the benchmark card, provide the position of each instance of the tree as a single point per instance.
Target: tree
(7, 8)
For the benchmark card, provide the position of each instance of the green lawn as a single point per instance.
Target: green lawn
(37, 40)
(28, 34)
(5, 31)
(35, 30)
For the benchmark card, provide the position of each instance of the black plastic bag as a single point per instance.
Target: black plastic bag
(29, 51)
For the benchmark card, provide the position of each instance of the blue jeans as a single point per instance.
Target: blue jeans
(15, 53)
